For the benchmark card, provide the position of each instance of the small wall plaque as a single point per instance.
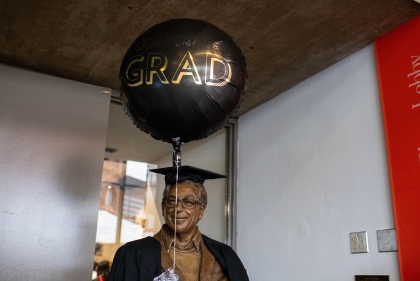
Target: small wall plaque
(359, 242)
(372, 277)
(387, 240)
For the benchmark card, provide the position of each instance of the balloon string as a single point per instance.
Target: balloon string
(175, 212)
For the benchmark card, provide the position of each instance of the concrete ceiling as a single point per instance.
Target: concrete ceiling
(284, 42)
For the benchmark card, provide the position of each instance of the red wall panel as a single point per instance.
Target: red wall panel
(398, 61)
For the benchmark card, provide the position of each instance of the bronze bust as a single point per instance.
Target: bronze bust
(197, 257)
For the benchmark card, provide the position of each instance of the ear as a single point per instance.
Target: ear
(202, 209)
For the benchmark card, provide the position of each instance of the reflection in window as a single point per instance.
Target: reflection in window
(127, 209)
(108, 197)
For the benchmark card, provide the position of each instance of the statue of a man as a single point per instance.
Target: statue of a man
(197, 257)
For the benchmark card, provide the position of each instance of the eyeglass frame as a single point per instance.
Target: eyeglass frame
(196, 201)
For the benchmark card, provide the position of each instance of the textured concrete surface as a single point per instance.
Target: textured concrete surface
(284, 42)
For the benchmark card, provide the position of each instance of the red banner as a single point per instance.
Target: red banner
(398, 60)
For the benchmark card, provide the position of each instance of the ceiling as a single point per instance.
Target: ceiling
(284, 42)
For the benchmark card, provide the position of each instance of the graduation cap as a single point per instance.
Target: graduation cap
(187, 173)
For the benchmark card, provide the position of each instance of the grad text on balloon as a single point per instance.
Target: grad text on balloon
(139, 70)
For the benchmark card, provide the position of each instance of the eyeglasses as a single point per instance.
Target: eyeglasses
(187, 203)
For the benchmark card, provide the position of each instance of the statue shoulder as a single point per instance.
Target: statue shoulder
(227, 258)
(141, 254)
(219, 246)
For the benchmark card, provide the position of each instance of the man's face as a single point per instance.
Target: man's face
(186, 219)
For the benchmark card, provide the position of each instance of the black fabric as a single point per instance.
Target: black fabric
(137, 260)
(227, 258)
(187, 173)
(140, 260)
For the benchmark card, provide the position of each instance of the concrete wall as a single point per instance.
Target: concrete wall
(52, 140)
(312, 169)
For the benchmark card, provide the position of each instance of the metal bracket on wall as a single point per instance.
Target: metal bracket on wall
(387, 240)
(359, 242)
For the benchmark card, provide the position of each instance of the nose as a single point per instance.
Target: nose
(179, 207)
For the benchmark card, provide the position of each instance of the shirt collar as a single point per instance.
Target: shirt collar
(168, 239)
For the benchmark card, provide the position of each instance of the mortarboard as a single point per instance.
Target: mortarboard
(187, 173)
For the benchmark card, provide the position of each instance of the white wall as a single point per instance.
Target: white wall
(312, 169)
(52, 141)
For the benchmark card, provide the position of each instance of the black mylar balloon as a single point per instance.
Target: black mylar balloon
(182, 78)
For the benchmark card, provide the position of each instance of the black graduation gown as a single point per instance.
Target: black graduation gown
(140, 260)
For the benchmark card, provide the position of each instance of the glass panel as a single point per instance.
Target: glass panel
(127, 209)
(112, 179)
(133, 214)
(108, 214)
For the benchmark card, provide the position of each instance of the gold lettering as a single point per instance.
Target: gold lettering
(138, 76)
(174, 40)
(199, 42)
(139, 45)
(187, 67)
(225, 71)
(186, 40)
(209, 41)
(162, 41)
(149, 43)
(156, 65)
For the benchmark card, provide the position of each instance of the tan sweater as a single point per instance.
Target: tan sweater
(194, 262)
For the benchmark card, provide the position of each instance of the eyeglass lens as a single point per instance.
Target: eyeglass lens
(187, 203)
